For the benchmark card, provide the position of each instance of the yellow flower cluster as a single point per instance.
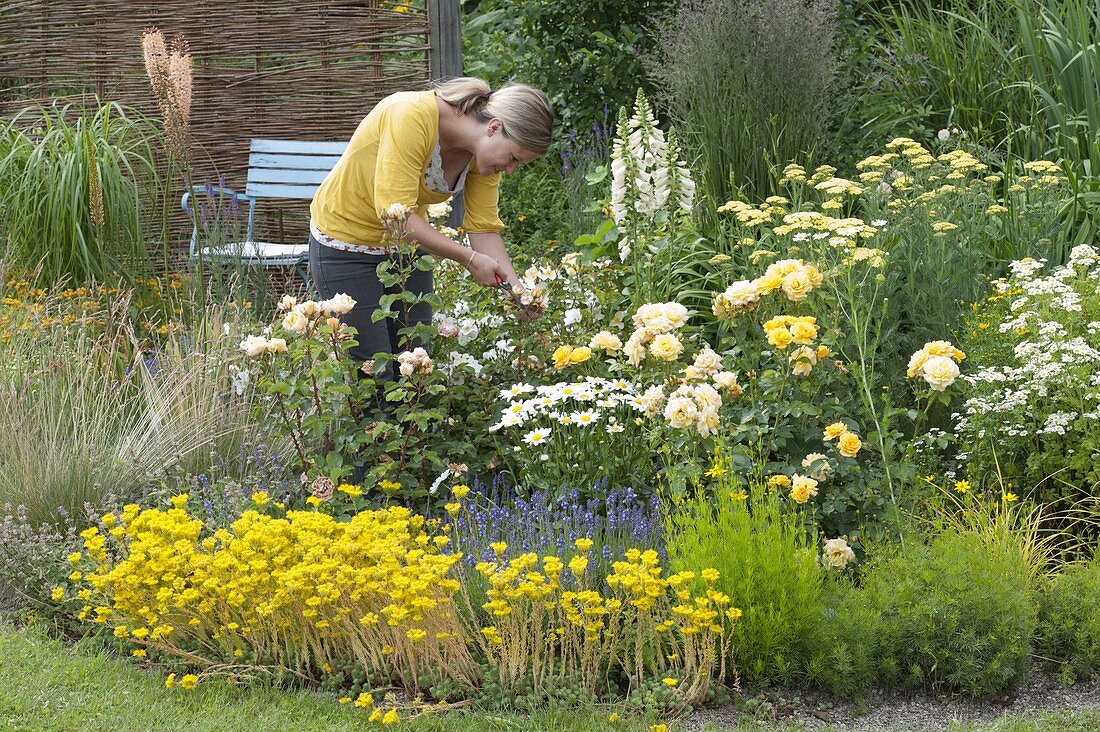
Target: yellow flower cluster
(570, 355)
(784, 330)
(647, 625)
(300, 591)
(796, 278)
(848, 443)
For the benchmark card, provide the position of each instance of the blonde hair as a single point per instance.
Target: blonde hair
(525, 111)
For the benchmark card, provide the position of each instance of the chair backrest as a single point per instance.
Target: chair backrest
(289, 168)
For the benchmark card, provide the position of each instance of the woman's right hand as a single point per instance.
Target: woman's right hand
(485, 269)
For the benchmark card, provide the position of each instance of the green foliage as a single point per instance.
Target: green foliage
(762, 95)
(72, 190)
(1059, 45)
(950, 64)
(954, 614)
(587, 53)
(533, 203)
(1069, 621)
(767, 565)
(845, 658)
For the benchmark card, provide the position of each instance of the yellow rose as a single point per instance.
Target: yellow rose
(561, 356)
(823, 351)
(797, 285)
(800, 494)
(803, 332)
(779, 321)
(835, 430)
(779, 481)
(849, 444)
(666, 347)
(768, 283)
(814, 275)
(780, 337)
(580, 354)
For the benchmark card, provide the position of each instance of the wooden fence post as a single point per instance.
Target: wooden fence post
(445, 60)
(445, 38)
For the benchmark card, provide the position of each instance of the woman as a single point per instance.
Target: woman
(415, 149)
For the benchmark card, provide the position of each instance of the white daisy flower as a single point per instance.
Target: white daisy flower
(587, 417)
(537, 436)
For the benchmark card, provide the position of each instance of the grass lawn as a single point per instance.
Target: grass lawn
(46, 685)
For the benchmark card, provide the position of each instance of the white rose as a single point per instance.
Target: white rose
(707, 397)
(707, 361)
(295, 322)
(742, 293)
(837, 554)
(287, 302)
(635, 348)
(681, 412)
(652, 400)
(605, 340)
(254, 345)
(338, 304)
(572, 317)
(439, 210)
(467, 331)
(277, 345)
(940, 372)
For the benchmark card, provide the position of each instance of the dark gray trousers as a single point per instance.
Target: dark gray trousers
(355, 274)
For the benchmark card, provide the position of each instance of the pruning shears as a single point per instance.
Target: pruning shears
(507, 287)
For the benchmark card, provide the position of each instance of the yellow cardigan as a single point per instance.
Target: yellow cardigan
(384, 164)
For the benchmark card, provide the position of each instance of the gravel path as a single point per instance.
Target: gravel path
(897, 712)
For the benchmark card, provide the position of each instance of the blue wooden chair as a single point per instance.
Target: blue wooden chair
(277, 169)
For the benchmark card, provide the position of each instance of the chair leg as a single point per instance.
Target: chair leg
(301, 268)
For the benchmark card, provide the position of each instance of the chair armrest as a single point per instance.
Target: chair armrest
(211, 190)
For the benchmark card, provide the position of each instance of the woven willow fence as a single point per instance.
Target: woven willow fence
(289, 69)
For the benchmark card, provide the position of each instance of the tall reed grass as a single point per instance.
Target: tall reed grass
(748, 84)
(71, 192)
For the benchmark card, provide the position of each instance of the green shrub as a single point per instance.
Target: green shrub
(769, 568)
(954, 614)
(845, 657)
(1069, 621)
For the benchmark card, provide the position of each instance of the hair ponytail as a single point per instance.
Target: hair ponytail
(525, 111)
